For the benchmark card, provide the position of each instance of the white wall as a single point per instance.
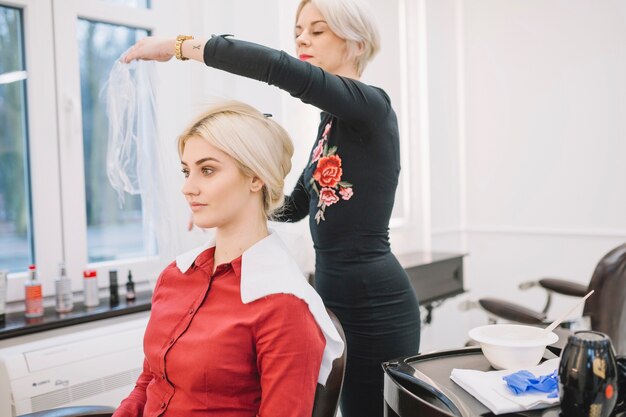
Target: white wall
(535, 173)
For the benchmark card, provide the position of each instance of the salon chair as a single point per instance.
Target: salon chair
(325, 404)
(606, 308)
(327, 397)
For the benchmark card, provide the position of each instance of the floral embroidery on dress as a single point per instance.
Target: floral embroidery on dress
(326, 179)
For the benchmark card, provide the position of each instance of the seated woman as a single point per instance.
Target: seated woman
(235, 329)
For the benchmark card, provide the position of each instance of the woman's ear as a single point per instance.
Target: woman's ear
(256, 184)
(360, 48)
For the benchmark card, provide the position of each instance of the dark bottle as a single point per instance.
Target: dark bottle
(113, 288)
(588, 375)
(130, 288)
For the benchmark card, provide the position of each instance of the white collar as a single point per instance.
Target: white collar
(267, 268)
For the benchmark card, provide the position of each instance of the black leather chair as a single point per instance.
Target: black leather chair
(325, 404)
(327, 397)
(606, 308)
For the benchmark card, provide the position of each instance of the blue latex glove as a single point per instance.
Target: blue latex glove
(524, 381)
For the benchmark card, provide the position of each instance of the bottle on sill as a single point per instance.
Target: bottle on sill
(113, 288)
(90, 282)
(130, 288)
(63, 291)
(33, 294)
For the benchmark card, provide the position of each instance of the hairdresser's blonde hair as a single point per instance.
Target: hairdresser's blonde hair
(353, 21)
(259, 145)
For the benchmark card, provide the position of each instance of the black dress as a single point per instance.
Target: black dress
(347, 189)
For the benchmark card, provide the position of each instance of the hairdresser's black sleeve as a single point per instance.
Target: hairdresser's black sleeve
(353, 101)
(296, 205)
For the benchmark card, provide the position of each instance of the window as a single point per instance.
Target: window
(16, 239)
(113, 232)
(56, 203)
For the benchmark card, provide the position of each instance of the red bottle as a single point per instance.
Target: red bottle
(32, 294)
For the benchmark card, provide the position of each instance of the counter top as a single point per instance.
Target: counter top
(435, 276)
(17, 325)
(418, 258)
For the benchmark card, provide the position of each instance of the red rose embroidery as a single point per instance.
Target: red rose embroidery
(326, 179)
(346, 193)
(328, 196)
(328, 171)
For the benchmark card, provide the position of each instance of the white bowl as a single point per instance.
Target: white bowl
(512, 346)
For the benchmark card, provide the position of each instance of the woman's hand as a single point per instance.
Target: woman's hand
(151, 49)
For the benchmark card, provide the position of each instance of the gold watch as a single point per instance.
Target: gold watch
(178, 49)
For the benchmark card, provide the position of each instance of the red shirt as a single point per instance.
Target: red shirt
(208, 353)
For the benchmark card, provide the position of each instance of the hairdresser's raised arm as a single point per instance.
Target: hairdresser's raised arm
(349, 99)
(154, 48)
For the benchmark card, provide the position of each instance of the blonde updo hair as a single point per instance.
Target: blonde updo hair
(353, 21)
(259, 145)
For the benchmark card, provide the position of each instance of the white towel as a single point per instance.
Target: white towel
(490, 389)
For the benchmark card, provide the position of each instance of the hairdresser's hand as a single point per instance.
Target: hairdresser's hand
(151, 49)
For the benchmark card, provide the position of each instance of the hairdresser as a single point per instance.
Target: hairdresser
(347, 187)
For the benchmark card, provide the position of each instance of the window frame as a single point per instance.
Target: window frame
(42, 152)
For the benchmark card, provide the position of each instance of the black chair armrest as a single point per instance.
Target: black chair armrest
(79, 411)
(564, 287)
(512, 312)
